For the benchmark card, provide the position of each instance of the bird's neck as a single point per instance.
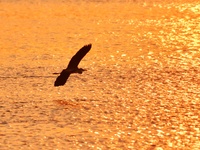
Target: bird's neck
(75, 70)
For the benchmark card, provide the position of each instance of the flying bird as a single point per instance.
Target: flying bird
(72, 66)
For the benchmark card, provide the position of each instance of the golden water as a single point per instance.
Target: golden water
(141, 90)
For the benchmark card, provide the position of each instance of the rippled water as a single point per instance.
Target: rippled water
(141, 90)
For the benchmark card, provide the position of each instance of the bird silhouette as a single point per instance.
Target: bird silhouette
(72, 66)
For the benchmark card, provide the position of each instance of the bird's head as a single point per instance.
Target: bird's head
(80, 70)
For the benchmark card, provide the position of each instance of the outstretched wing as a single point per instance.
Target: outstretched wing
(62, 78)
(78, 56)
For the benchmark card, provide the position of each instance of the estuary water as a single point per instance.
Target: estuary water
(141, 90)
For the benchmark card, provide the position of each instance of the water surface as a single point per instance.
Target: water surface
(141, 90)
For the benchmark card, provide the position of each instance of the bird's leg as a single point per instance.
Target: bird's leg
(56, 73)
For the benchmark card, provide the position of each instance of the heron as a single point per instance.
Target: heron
(72, 66)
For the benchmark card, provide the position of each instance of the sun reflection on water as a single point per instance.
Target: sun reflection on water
(141, 90)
